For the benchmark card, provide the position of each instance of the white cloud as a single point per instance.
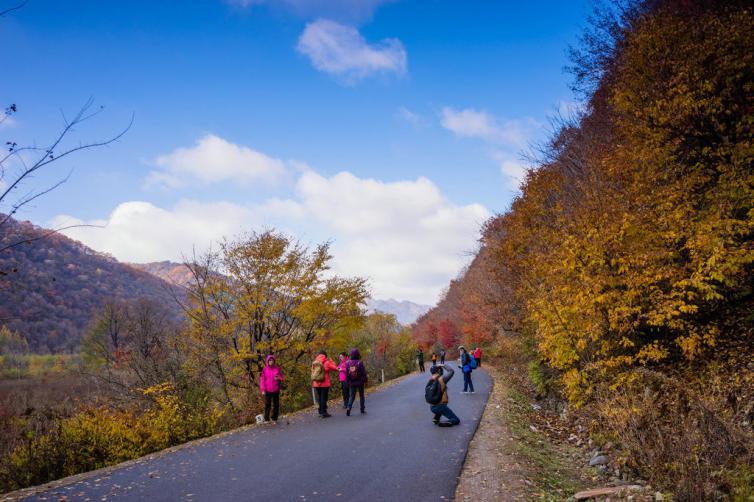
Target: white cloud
(513, 171)
(472, 123)
(139, 231)
(213, 159)
(345, 10)
(341, 51)
(410, 117)
(507, 138)
(404, 236)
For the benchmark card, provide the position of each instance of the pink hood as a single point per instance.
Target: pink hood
(270, 378)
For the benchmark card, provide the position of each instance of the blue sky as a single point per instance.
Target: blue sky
(393, 128)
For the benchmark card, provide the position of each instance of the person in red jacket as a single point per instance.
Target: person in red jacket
(269, 386)
(321, 368)
(478, 356)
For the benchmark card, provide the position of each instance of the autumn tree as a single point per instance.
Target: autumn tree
(263, 294)
(132, 346)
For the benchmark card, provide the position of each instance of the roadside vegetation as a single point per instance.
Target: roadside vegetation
(624, 269)
(145, 381)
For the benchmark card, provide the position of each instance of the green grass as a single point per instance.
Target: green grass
(37, 365)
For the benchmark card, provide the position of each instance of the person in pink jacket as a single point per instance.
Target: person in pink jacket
(342, 377)
(269, 385)
(321, 368)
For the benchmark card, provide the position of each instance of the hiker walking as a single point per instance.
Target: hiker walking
(442, 356)
(468, 363)
(269, 385)
(321, 368)
(420, 359)
(434, 360)
(357, 377)
(436, 394)
(478, 356)
(342, 378)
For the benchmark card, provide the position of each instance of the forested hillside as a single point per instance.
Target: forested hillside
(50, 287)
(624, 270)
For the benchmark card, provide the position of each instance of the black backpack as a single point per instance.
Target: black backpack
(433, 392)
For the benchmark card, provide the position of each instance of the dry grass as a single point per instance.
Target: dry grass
(682, 440)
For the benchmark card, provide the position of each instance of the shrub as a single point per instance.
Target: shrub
(679, 438)
(97, 436)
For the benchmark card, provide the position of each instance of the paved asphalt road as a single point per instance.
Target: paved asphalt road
(393, 453)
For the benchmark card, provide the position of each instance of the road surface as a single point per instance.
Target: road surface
(393, 453)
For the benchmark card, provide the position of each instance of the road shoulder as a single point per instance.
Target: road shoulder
(510, 459)
(490, 471)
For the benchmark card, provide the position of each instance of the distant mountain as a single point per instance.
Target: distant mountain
(406, 312)
(51, 286)
(173, 273)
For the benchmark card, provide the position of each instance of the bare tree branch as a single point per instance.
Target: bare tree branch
(11, 9)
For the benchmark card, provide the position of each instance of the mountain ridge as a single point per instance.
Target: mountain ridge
(52, 285)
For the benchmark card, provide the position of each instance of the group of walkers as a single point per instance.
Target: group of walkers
(352, 375)
(353, 378)
(476, 354)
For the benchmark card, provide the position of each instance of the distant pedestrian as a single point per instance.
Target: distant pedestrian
(436, 394)
(357, 377)
(478, 356)
(466, 366)
(434, 360)
(320, 376)
(342, 378)
(420, 359)
(269, 385)
(442, 357)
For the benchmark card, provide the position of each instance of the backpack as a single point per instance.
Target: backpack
(354, 371)
(318, 371)
(472, 362)
(433, 392)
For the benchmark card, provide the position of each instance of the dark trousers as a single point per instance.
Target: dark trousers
(467, 383)
(322, 393)
(271, 399)
(352, 398)
(345, 391)
(442, 410)
(479, 361)
(421, 366)
(442, 359)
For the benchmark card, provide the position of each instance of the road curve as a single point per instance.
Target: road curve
(393, 453)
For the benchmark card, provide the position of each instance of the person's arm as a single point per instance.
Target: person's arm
(262, 386)
(448, 374)
(330, 365)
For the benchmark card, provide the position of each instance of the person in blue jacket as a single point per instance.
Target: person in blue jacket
(468, 385)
